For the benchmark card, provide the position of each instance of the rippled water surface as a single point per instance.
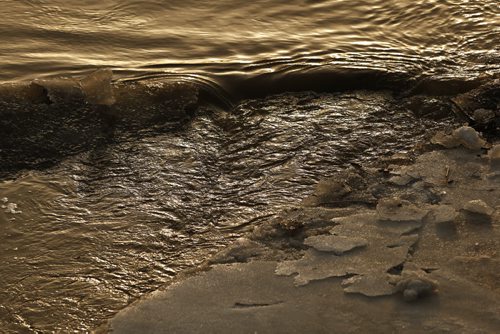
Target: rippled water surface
(102, 227)
(231, 40)
(217, 115)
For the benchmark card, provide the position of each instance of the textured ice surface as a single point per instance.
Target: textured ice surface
(396, 209)
(385, 248)
(373, 285)
(465, 136)
(11, 208)
(443, 214)
(335, 243)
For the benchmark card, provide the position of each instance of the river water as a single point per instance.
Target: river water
(218, 117)
(234, 40)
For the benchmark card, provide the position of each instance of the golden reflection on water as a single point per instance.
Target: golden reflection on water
(116, 212)
(58, 37)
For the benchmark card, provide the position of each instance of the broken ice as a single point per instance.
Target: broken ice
(12, 208)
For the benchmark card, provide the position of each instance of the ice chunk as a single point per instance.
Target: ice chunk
(5, 199)
(94, 88)
(469, 138)
(465, 136)
(372, 286)
(61, 90)
(479, 207)
(396, 209)
(414, 284)
(443, 214)
(12, 208)
(334, 243)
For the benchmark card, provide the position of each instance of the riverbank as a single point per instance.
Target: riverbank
(401, 245)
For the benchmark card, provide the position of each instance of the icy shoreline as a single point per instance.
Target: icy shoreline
(427, 231)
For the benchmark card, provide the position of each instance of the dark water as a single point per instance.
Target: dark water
(103, 203)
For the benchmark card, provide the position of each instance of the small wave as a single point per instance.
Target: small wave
(102, 87)
(48, 119)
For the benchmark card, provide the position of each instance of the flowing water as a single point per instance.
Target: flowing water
(219, 116)
(232, 41)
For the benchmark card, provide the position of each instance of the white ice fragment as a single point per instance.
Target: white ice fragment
(12, 208)
(5, 199)
(465, 136)
(469, 138)
(479, 207)
(401, 180)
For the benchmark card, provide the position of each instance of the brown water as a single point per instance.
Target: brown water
(232, 40)
(102, 204)
(109, 224)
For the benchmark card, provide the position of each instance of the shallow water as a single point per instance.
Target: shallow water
(101, 204)
(104, 226)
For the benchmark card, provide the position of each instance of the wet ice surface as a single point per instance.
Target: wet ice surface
(386, 247)
(383, 250)
(105, 226)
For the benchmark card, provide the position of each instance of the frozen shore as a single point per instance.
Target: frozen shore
(406, 244)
